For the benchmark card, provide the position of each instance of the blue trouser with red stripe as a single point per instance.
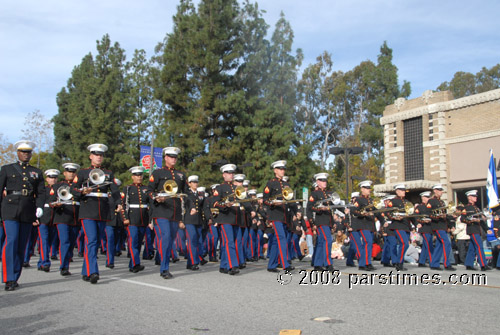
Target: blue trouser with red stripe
(260, 243)
(193, 233)
(148, 243)
(166, 231)
(30, 245)
(67, 238)
(213, 239)
(442, 248)
(402, 240)
(135, 236)
(240, 251)
(366, 241)
(427, 249)
(252, 243)
(180, 241)
(296, 245)
(54, 241)
(80, 241)
(2, 239)
(14, 248)
(228, 233)
(111, 242)
(323, 249)
(92, 229)
(354, 247)
(279, 248)
(386, 252)
(244, 239)
(44, 238)
(475, 250)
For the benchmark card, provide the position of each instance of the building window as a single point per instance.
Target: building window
(430, 116)
(413, 150)
(431, 131)
(431, 138)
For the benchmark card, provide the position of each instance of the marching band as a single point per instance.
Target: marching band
(231, 225)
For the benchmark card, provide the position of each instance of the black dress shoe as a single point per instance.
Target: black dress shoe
(330, 268)
(273, 270)
(157, 263)
(422, 265)
(94, 278)
(45, 268)
(485, 268)
(26, 265)
(9, 286)
(65, 272)
(370, 267)
(221, 270)
(203, 262)
(118, 254)
(438, 268)
(386, 265)
(193, 267)
(363, 268)
(175, 260)
(450, 268)
(137, 268)
(290, 268)
(85, 278)
(350, 265)
(498, 268)
(262, 257)
(212, 259)
(318, 268)
(233, 271)
(301, 257)
(111, 266)
(166, 275)
(470, 268)
(54, 258)
(242, 266)
(71, 260)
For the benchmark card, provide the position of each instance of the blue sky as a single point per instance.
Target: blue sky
(41, 41)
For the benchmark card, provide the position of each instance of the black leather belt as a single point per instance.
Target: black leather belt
(24, 192)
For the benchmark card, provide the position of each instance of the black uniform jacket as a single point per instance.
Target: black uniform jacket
(360, 221)
(273, 191)
(194, 200)
(437, 223)
(24, 188)
(48, 212)
(422, 209)
(136, 204)
(402, 224)
(466, 217)
(171, 209)
(227, 215)
(323, 217)
(96, 205)
(68, 213)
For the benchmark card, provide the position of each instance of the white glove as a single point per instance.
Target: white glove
(39, 212)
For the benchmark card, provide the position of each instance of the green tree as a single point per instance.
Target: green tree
(93, 107)
(465, 83)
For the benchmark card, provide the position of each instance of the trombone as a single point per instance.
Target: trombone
(97, 178)
(287, 194)
(170, 189)
(239, 193)
(63, 196)
(449, 208)
(377, 208)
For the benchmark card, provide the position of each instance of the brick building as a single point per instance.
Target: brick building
(437, 139)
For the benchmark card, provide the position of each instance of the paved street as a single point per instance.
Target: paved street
(253, 302)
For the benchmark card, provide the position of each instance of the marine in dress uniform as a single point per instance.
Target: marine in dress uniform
(363, 225)
(20, 207)
(95, 207)
(495, 244)
(245, 213)
(227, 219)
(389, 250)
(213, 228)
(277, 215)
(354, 246)
(475, 220)
(193, 222)
(166, 210)
(399, 225)
(66, 214)
(46, 228)
(318, 203)
(439, 228)
(136, 216)
(425, 229)
(252, 245)
(113, 229)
